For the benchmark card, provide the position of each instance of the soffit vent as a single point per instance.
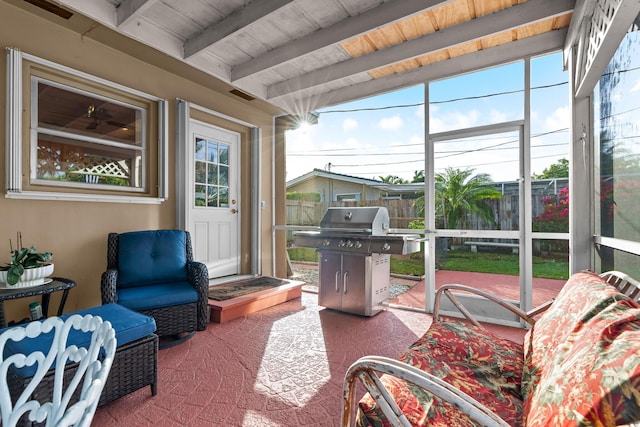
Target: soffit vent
(242, 95)
(52, 8)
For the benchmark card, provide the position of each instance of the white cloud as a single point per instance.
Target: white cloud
(349, 124)
(455, 120)
(350, 143)
(498, 116)
(559, 119)
(391, 123)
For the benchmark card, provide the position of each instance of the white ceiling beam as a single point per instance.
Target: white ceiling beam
(384, 14)
(499, 55)
(129, 10)
(506, 19)
(233, 23)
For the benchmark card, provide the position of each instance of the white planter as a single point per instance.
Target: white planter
(31, 277)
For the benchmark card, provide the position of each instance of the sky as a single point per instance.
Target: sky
(384, 135)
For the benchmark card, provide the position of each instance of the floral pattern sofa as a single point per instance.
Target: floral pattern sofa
(579, 365)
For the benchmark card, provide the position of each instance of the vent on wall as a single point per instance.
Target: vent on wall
(52, 8)
(242, 95)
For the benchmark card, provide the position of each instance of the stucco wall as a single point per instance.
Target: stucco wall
(76, 232)
(329, 189)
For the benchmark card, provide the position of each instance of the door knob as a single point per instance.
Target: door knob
(233, 211)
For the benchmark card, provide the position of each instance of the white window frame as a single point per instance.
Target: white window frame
(14, 189)
(342, 197)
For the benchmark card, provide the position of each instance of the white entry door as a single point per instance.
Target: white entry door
(213, 198)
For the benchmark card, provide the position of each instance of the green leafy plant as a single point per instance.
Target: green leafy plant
(22, 259)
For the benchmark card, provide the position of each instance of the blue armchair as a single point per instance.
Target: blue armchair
(153, 272)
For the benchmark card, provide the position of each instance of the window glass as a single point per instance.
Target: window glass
(476, 182)
(494, 95)
(85, 138)
(617, 145)
(211, 173)
(608, 259)
(550, 119)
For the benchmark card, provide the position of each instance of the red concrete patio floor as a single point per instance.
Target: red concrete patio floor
(282, 366)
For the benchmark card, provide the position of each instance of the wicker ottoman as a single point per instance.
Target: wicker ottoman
(135, 364)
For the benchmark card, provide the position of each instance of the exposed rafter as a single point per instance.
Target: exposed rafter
(234, 22)
(300, 55)
(128, 10)
(486, 58)
(384, 14)
(506, 19)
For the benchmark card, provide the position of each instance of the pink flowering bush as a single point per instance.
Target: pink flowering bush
(555, 217)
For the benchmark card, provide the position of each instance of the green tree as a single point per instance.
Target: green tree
(392, 179)
(418, 176)
(459, 192)
(556, 170)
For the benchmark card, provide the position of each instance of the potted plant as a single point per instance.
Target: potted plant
(28, 267)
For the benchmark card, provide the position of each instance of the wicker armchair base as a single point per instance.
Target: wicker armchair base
(135, 365)
(177, 321)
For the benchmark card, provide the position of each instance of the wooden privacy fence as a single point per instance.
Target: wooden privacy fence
(299, 212)
(402, 212)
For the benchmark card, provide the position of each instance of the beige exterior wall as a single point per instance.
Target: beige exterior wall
(76, 232)
(329, 189)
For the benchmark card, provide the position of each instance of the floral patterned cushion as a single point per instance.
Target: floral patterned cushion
(579, 366)
(483, 365)
(582, 358)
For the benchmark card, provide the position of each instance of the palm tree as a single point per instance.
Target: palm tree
(459, 192)
(418, 176)
(392, 179)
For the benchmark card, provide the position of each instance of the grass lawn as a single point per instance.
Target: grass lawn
(503, 263)
(481, 262)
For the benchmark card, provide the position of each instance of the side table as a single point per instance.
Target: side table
(57, 284)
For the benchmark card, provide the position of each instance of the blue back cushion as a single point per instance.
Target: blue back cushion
(147, 257)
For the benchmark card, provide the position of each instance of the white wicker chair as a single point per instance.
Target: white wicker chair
(93, 365)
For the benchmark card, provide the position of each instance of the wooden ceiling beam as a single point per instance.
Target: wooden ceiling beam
(129, 10)
(384, 14)
(231, 24)
(484, 26)
(499, 55)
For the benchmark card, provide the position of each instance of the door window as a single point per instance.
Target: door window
(211, 173)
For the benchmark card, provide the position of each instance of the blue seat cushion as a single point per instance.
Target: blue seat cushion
(157, 296)
(128, 325)
(151, 256)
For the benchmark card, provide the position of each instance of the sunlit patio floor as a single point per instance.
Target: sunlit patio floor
(282, 366)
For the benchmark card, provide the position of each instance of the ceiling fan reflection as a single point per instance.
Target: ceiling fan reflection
(99, 116)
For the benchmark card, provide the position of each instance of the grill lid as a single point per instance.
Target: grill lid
(372, 220)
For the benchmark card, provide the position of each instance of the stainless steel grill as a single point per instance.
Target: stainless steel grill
(363, 230)
(355, 247)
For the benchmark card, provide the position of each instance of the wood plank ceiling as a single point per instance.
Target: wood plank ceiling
(301, 55)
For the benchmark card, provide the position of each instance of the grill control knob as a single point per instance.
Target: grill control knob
(326, 242)
(349, 244)
(386, 246)
(357, 244)
(342, 244)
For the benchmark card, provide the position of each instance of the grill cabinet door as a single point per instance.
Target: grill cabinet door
(330, 277)
(354, 284)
